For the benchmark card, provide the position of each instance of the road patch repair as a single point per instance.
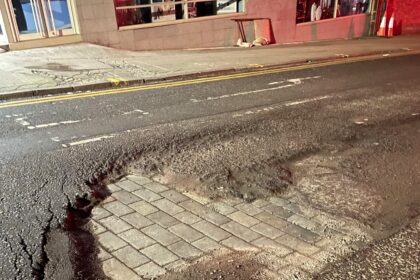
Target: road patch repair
(146, 230)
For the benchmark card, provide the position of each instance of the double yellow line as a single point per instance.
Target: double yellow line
(56, 98)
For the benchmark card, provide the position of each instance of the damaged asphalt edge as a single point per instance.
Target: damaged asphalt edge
(134, 82)
(84, 250)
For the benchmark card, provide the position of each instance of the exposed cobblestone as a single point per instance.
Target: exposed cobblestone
(159, 254)
(147, 229)
(118, 209)
(143, 208)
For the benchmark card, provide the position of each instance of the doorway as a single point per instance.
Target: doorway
(37, 19)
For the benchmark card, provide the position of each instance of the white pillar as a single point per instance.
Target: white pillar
(6, 22)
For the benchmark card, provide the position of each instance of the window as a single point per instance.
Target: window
(352, 7)
(134, 12)
(314, 10)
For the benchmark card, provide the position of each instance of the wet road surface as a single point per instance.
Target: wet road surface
(48, 151)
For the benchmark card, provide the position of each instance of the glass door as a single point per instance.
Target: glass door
(59, 17)
(28, 19)
(42, 18)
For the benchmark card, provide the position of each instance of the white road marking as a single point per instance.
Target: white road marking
(276, 83)
(45, 125)
(136, 111)
(292, 83)
(90, 140)
(287, 104)
(22, 121)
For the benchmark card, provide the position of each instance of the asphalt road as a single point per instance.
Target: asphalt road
(50, 147)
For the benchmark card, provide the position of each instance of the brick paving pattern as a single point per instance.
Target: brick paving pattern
(146, 229)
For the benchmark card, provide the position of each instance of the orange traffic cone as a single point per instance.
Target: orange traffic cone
(382, 28)
(391, 26)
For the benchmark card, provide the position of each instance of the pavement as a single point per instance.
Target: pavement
(146, 229)
(82, 67)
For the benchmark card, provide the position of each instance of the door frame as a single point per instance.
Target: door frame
(44, 31)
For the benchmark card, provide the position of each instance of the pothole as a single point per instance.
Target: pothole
(148, 230)
(247, 183)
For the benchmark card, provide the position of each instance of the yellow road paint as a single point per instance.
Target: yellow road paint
(257, 65)
(27, 102)
(118, 81)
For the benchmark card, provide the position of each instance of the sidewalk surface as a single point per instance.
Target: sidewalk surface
(87, 67)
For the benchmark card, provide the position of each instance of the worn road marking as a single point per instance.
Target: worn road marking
(276, 83)
(90, 140)
(26, 102)
(22, 121)
(136, 111)
(292, 83)
(286, 104)
(52, 124)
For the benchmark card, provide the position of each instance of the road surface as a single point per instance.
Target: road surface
(364, 116)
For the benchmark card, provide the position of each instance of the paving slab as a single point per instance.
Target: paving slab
(130, 257)
(143, 208)
(137, 239)
(161, 235)
(185, 250)
(118, 209)
(159, 254)
(118, 271)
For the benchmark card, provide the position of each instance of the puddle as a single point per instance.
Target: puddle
(53, 67)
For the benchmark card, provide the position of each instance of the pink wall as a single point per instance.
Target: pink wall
(339, 28)
(282, 14)
(407, 16)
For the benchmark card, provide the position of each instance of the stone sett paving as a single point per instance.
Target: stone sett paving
(145, 229)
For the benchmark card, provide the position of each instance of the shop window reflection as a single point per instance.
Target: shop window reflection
(315, 10)
(352, 7)
(135, 12)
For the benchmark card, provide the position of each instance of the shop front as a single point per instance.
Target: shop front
(179, 24)
(35, 23)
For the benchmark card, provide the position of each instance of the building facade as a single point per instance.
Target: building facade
(179, 24)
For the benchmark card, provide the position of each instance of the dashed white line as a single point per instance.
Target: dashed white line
(287, 104)
(292, 83)
(22, 121)
(136, 111)
(90, 140)
(45, 125)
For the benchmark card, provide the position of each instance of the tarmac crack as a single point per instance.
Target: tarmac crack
(39, 271)
(15, 260)
(25, 249)
(63, 183)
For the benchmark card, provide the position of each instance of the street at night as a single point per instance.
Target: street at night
(336, 140)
